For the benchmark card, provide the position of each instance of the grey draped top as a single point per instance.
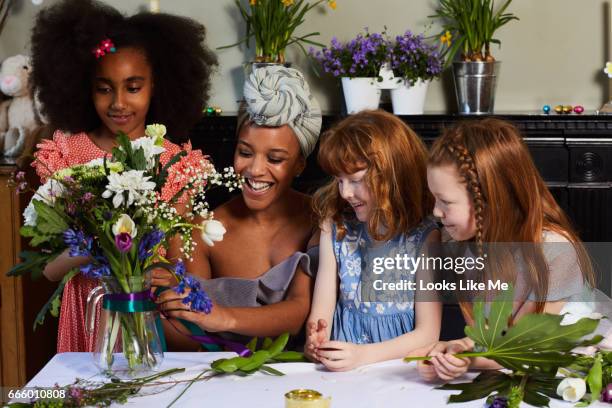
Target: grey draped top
(269, 288)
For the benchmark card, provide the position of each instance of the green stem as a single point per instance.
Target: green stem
(189, 385)
(459, 355)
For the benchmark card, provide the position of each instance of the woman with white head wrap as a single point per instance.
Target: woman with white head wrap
(275, 96)
(260, 275)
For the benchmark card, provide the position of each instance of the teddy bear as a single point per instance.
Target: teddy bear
(19, 117)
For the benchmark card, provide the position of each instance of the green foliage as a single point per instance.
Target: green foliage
(472, 24)
(271, 352)
(534, 349)
(272, 24)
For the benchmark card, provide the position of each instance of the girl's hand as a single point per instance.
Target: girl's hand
(316, 334)
(340, 356)
(171, 304)
(163, 277)
(444, 365)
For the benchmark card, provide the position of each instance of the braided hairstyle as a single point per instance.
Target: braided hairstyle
(63, 65)
(511, 201)
(469, 174)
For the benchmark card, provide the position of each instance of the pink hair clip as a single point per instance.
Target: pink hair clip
(104, 47)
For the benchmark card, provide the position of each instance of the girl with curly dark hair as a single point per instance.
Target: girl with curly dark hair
(97, 73)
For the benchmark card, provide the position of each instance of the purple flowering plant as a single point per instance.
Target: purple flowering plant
(412, 58)
(360, 57)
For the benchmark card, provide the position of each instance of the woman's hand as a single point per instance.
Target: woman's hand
(163, 278)
(171, 304)
(316, 334)
(340, 356)
(443, 364)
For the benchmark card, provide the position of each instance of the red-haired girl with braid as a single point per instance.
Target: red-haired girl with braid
(488, 190)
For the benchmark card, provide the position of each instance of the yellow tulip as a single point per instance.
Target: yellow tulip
(252, 2)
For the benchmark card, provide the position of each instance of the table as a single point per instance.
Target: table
(385, 385)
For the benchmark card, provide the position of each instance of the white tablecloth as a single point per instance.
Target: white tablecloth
(385, 385)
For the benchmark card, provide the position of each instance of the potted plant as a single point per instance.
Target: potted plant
(358, 63)
(414, 63)
(469, 26)
(272, 24)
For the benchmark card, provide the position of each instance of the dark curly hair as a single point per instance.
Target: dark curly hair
(63, 63)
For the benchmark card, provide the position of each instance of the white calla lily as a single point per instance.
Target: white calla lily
(125, 225)
(572, 389)
(212, 230)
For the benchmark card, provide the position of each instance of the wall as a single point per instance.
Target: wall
(554, 54)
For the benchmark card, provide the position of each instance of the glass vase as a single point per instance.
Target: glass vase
(127, 340)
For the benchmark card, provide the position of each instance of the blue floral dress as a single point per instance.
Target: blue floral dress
(363, 316)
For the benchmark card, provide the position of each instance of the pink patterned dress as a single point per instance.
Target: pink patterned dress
(63, 151)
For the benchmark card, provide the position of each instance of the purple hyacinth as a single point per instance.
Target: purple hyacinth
(78, 244)
(179, 268)
(97, 269)
(123, 242)
(499, 402)
(197, 297)
(606, 394)
(148, 242)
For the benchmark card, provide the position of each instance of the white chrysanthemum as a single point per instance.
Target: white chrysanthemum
(47, 193)
(150, 149)
(132, 182)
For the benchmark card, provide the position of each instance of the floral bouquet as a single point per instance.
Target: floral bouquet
(363, 56)
(411, 58)
(119, 213)
(272, 24)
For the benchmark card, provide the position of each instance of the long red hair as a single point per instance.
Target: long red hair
(511, 201)
(396, 160)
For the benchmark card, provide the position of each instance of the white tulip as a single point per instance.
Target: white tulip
(572, 389)
(125, 225)
(212, 230)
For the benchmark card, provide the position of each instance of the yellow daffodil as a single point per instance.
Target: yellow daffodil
(608, 69)
(332, 4)
(446, 38)
(287, 3)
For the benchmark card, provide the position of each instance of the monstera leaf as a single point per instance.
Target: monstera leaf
(537, 343)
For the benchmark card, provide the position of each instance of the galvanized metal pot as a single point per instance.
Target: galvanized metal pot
(475, 84)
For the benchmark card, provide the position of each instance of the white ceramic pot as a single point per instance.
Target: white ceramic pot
(360, 94)
(387, 79)
(409, 100)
